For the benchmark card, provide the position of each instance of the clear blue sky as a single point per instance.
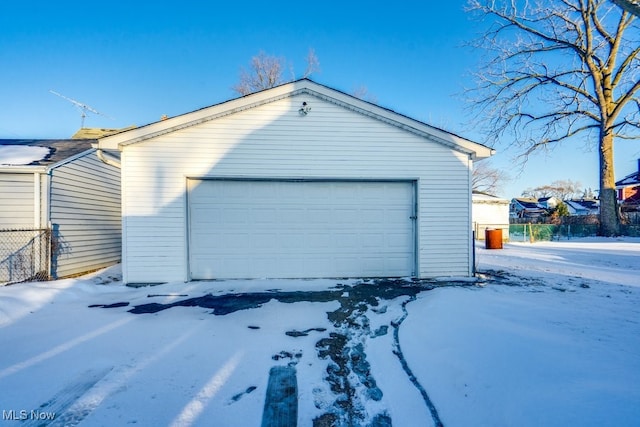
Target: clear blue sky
(135, 61)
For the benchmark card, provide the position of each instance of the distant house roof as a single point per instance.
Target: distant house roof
(528, 203)
(95, 133)
(58, 150)
(585, 206)
(631, 179)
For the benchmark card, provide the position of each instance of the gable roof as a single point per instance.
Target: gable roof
(631, 179)
(59, 149)
(583, 205)
(527, 202)
(303, 86)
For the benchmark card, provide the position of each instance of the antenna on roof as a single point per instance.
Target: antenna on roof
(82, 107)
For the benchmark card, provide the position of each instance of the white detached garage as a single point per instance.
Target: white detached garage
(298, 181)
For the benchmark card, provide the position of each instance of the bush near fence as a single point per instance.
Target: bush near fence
(24, 255)
(567, 227)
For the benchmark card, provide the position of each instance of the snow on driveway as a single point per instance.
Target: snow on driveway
(549, 336)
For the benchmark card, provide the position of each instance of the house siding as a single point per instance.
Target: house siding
(17, 195)
(274, 141)
(85, 215)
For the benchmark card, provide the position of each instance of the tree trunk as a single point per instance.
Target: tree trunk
(609, 217)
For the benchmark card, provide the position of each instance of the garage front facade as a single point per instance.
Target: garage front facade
(298, 181)
(313, 228)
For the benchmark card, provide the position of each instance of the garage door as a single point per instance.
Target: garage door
(300, 229)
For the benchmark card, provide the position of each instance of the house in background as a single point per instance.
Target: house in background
(583, 206)
(549, 203)
(297, 181)
(61, 187)
(489, 212)
(526, 207)
(629, 191)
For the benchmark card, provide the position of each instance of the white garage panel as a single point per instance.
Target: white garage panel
(295, 229)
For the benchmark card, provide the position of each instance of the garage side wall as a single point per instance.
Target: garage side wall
(85, 215)
(17, 196)
(274, 141)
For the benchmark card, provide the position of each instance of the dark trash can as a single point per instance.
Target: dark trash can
(493, 238)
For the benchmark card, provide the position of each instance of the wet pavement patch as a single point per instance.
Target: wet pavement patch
(230, 303)
(366, 294)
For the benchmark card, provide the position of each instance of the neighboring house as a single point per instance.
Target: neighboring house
(297, 181)
(629, 191)
(583, 206)
(490, 212)
(60, 185)
(549, 203)
(526, 207)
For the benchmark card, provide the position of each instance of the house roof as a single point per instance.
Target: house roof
(631, 179)
(544, 199)
(303, 86)
(59, 149)
(527, 203)
(586, 205)
(95, 133)
(480, 197)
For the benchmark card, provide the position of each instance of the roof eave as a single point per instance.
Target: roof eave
(23, 169)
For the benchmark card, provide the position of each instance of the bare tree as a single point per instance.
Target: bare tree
(558, 69)
(487, 179)
(362, 92)
(563, 190)
(266, 71)
(313, 64)
(631, 6)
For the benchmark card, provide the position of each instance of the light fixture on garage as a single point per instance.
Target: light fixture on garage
(304, 110)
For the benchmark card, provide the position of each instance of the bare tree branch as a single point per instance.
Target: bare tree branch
(487, 179)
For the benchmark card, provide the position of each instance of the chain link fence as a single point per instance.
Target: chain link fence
(571, 227)
(24, 255)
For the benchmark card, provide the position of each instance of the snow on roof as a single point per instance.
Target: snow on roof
(55, 150)
(632, 179)
(20, 155)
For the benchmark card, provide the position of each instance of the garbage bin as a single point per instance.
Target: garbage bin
(493, 238)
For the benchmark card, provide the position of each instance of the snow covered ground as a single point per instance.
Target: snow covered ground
(550, 336)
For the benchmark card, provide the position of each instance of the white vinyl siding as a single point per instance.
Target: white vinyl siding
(17, 200)
(274, 141)
(85, 215)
